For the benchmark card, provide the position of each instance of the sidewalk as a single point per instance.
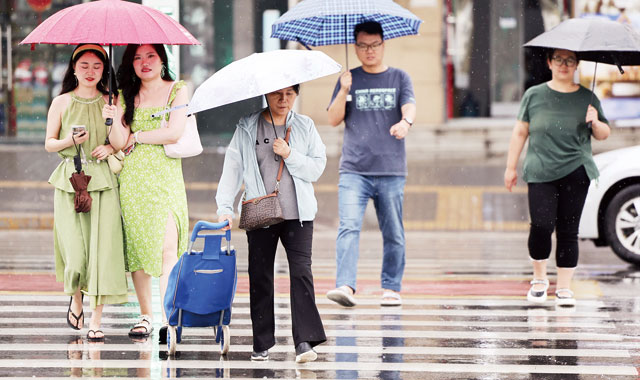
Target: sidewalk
(454, 182)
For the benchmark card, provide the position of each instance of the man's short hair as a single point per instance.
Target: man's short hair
(369, 27)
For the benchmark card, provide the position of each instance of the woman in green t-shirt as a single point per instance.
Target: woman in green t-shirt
(558, 167)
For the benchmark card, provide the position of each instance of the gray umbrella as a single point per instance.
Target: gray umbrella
(593, 39)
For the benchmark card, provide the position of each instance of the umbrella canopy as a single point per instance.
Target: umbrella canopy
(110, 22)
(81, 200)
(328, 22)
(593, 39)
(259, 74)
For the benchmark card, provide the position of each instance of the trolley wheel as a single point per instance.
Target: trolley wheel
(172, 340)
(225, 337)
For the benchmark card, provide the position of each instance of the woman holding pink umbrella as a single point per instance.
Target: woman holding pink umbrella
(87, 245)
(152, 191)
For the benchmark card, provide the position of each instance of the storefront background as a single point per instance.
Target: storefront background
(491, 70)
(467, 60)
(619, 93)
(30, 79)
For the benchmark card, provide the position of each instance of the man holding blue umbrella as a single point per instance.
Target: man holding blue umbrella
(373, 163)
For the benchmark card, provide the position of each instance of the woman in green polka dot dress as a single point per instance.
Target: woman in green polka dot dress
(152, 192)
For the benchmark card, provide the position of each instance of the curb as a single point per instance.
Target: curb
(24, 220)
(44, 221)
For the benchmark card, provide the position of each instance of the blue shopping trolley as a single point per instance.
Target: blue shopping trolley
(201, 287)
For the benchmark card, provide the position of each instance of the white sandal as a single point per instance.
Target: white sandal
(564, 300)
(538, 296)
(390, 298)
(145, 322)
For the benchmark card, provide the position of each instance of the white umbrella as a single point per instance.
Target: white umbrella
(259, 74)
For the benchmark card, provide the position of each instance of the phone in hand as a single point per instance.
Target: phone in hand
(78, 129)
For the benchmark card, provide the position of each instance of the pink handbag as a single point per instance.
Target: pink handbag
(189, 144)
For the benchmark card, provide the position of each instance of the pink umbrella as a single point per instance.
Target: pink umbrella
(110, 22)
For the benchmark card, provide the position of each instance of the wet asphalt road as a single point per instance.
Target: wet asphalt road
(465, 316)
(464, 313)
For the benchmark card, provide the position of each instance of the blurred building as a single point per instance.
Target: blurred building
(467, 61)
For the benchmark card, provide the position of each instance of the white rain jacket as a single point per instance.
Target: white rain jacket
(305, 164)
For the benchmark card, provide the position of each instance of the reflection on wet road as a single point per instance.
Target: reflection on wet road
(464, 317)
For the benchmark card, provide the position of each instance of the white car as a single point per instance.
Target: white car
(611, 215)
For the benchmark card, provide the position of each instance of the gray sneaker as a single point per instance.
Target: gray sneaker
(260, 356)
(342, 296)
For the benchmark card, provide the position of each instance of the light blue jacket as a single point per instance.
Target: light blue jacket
(305, 164)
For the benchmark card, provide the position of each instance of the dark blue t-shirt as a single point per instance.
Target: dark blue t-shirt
(368, 147)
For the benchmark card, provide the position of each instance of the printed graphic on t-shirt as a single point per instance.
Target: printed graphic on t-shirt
(375, 99)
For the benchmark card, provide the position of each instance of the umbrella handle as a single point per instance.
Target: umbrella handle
(109, 121)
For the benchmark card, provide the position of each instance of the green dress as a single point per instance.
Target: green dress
(88, 247)
(151, 189)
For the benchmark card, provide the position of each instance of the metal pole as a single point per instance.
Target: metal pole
(9, 62)
(593, 86)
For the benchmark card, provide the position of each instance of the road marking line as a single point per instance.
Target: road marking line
(365, 367)
(344, 349)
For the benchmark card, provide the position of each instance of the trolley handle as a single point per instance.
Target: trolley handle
(208, 226)
(201, 225)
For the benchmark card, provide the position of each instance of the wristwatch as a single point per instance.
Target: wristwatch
(409, 121)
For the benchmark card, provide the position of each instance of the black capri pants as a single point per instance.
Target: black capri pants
(557, 205)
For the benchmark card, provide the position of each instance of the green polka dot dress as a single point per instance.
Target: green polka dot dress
(151, 189)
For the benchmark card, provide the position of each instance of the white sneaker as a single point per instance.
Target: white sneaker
(538, 296)
(342, 296)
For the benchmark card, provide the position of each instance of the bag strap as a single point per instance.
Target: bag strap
(286, 139)
(169, 94)
(167, 104)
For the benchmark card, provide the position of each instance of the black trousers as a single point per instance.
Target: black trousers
(296, 239)
(557, 205)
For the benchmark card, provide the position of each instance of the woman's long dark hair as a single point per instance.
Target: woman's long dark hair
(129, 82)
(69, 83)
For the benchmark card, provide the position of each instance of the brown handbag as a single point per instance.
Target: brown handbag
(263, 211)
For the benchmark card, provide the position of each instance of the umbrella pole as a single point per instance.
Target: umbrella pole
(273, 124)
(109, 121)
(346, 42)
(593, 86)
(346, 49)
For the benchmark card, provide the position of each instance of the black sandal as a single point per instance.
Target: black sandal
(95, 338)
(145, 323)
(77, 317)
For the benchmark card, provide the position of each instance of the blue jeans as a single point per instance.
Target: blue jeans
(354, 192)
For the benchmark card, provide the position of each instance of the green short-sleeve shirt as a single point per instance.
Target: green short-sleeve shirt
(559, 140)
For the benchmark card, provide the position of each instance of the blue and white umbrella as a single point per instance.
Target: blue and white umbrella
(331, 22)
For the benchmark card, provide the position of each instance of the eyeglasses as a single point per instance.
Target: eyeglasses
(559, 61)
(364, 47)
